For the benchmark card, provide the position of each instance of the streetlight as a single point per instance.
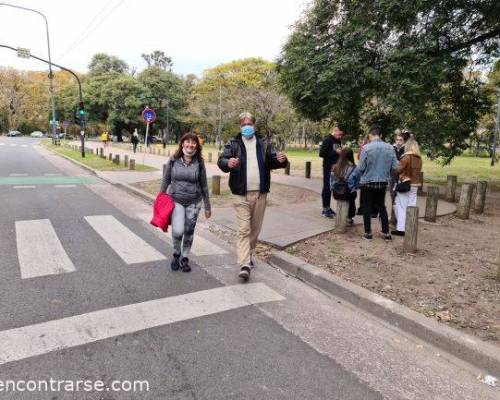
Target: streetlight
(51, 76)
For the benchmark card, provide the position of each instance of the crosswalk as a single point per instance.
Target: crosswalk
(16, 145)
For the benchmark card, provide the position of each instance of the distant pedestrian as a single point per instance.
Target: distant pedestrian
(377, 161)
(186, 177)
(341, 173)
(249, 159)
(135, 139)
(329, 151)
(408, 169)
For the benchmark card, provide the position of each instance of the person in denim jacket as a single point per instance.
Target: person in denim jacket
(377, 161)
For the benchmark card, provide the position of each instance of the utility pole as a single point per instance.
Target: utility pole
(497, 127)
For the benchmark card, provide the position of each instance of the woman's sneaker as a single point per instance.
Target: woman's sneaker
(185, 265)
(244, 273)
(174, 264)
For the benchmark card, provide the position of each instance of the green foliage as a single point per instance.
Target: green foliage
(158, 59)
(102, 63)
(397, 63)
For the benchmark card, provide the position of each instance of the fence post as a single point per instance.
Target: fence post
(411, 230)
(451, 188)
(287, 168)
(125, 160)
(432, 203)
(420, 190)
(216, 185)
(341, 217)
(308, 169)
(463, 209)
(101, 152)
(480, 197)
(132, 164)
(110, 156)
(117, 159)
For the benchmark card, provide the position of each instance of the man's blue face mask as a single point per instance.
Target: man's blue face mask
(247, 131)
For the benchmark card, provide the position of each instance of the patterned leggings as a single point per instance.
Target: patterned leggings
(183, 223)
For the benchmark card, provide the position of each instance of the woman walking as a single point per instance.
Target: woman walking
(341, 172)
(186, 178)
(409, 167)
(135, 139)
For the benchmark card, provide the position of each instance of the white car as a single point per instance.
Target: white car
(14, 133)
(36, 134)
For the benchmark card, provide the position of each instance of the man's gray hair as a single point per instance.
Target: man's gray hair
(246, 114)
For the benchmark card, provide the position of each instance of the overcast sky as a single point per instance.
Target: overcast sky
(197, 34)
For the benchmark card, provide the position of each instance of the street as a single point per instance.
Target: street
(87, 294)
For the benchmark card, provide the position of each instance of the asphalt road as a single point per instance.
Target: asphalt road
(86, 293)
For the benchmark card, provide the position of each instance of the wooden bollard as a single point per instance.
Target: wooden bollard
(287, 168)
(451, 188)
(480, 197)
(463, 209)
(341, 217)
(209, 157)
(420, 190)
(132, 164)
(308, 169)
(117, 159)
(110, 156)
(101, 152)
(411, 230)
(125, 160)
(432, 203)
(216, 185)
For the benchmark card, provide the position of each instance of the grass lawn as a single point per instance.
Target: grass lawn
(92, 160)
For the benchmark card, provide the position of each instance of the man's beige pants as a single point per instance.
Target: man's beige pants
(250, 213)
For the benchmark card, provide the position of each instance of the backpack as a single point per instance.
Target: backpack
(340, 189)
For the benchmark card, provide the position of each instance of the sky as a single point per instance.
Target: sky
(196, 34)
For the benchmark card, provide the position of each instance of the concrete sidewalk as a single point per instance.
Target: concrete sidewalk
(283, 225)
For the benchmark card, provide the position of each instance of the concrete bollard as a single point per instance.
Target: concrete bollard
(209, 157)
(432, 203)
(132, 164)
(463, 209)
(420, 190)
(216, 185)
(117, 159)
(287, 168)
(101, 152)
(125, 160)
(411, 230)
(480, 197)
(341, 217)
(308, 169)
(451, 188)
(110, 157)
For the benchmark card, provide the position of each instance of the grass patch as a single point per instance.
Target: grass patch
(92, 160)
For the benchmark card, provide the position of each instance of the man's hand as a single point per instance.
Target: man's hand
(208, 214)
(281, 157)
(233, 162)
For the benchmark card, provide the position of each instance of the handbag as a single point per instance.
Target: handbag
(403, 187)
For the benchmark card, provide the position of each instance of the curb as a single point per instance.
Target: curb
(465, 347)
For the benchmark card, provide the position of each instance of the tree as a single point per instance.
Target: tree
(158, 59)
(102, 63)
(400, 64)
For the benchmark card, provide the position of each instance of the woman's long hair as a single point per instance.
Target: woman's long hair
(411, 146)
(199, 155)
(346, 159)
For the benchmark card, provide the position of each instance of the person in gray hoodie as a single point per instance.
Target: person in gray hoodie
(185, 177)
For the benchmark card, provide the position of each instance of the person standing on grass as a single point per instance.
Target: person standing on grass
(186, 176)
(377, 161)
(329, 151)
(135, 139)
(249, 159)
(341, 172)
(409, 169)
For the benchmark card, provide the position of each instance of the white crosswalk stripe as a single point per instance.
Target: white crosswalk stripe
(20, 343)
(39, 250)
(13, 145)
(130, 247)
(2, 144)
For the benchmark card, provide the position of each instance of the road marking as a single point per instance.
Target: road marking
(34, 340)
(48, 180)
(65, 186)
(24, 145)
(39, 250)
(130, 247)
(2, 144)
(51, 174)
(18, 174)
(24, 187)
(13, 145)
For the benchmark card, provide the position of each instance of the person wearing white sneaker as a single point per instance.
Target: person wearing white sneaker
(249, 159)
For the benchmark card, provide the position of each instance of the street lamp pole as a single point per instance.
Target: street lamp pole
(51, 76)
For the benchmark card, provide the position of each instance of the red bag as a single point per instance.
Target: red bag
(162, 211)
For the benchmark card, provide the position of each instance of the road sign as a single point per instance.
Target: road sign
(23, 53)
(149, 115)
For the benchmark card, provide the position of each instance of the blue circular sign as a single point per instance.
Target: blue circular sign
(149, 115)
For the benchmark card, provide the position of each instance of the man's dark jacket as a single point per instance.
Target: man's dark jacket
(328, 150)
(266, 159)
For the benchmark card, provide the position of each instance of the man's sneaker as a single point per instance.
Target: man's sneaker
(387, 237)
(397, 233)
(244, 273)
(185, 265)
(328, 213)
(367, 236)
(174, 264)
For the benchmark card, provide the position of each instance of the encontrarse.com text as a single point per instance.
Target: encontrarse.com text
(55, 385)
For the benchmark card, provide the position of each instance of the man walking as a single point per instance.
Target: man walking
(329, 151)
(249, 158)
(377, 162)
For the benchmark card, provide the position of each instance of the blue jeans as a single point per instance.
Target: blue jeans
(326, 193)
(183, 223)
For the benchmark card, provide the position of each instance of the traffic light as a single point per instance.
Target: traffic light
(80, 115)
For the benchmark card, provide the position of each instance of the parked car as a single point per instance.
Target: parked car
(36, 134)
(14, 133)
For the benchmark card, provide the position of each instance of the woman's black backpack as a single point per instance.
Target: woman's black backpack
(340, 189)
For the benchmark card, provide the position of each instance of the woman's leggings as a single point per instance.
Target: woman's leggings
(183, 223)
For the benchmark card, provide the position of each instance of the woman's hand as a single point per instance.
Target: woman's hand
(208, 214)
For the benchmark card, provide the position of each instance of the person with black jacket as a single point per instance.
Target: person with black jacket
(249, 159)
(329, 151)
